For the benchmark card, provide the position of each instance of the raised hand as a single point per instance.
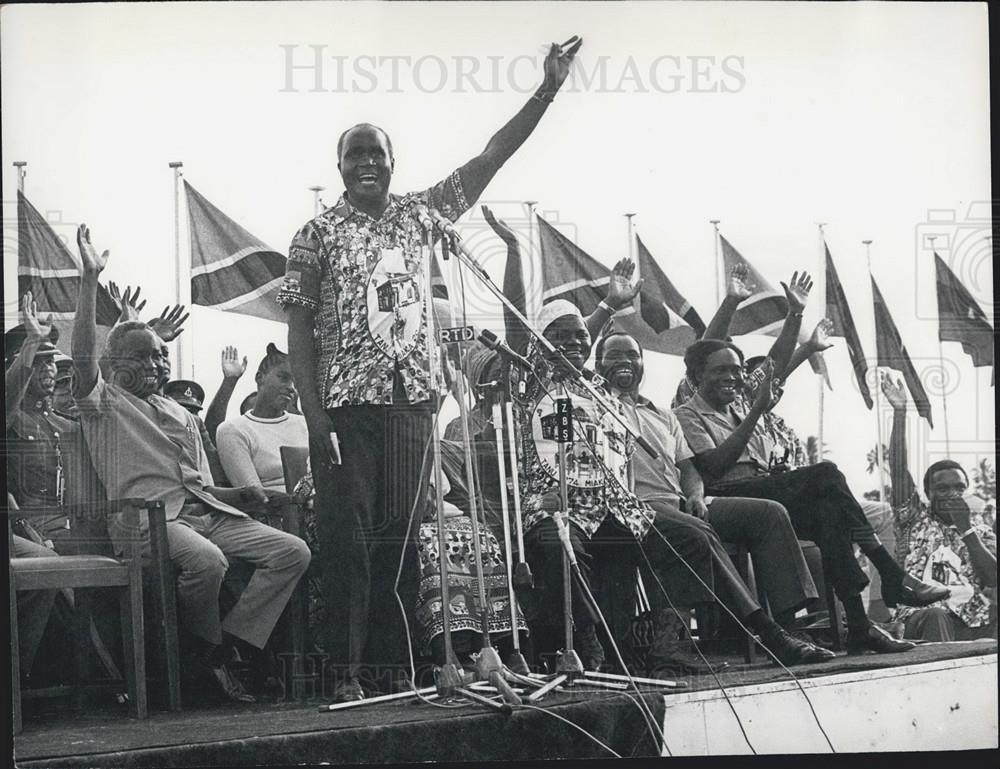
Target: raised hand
(797, 291)
(558, 62)
(894, 392)
(126, 302)
(507, 235)
(770, 387)
(232, 366)
(818, 340)
(739, 282)
(168, 325)
(92, 261)
(37, 331)
(620, 290)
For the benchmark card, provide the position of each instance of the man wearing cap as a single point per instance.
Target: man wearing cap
(150, 447)
(939, 544)
(191, 396)
(356, 339)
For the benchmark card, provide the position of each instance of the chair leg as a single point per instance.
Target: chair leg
(134, 643)
(81, 643)
(165, 600)
(750, 653)
(835, 619)
(15, 659)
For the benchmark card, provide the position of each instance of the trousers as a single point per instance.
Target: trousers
(822, 509)
(935, 623)
(367, 535)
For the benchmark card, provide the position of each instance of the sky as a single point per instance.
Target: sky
(871, 118)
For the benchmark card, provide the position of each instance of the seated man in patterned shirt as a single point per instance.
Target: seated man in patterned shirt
(939, 544)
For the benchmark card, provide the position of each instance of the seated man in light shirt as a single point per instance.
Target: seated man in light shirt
(145, 445)
(693, 525)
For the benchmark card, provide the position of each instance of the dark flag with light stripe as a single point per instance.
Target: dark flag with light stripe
(568, 272)
(892, 354)
(839, 313)
(660, 303)
(960, 318)
(50, 271)
(231, 269)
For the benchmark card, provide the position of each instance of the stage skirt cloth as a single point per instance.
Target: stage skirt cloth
(466, 611)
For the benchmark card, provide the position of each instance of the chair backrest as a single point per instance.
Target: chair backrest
(294, 464)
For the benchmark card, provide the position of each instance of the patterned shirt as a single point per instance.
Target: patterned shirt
(597, 462)
(934, 553)
(363, 279)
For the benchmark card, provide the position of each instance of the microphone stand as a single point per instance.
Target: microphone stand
(566, 664)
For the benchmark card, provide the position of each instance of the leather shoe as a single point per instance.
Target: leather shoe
(795, 651)
(348, 691)
(226, 683)
(874, 639)
(913, 592)
(678, 661)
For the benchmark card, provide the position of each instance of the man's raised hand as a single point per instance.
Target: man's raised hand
(894, 392)
(127, 302)
(500, 227)
(797, 291)
(620, 289)
(37, 331)
(232, 366)
(739, 282)
(168, 325)
(558, 62)
(92, 261)
(819, 339)
(769, 388)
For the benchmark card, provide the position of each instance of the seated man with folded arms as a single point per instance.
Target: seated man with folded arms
(736, 458)
(939, 543)
(693, 525)
(145, 445)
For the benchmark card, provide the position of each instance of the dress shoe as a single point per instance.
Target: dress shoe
(681, 660)
(795, 651)
(396, 681)
(228, 684)
(913, 592)
(348, 691)
(874, 639)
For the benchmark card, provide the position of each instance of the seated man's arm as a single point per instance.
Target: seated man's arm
(984, 559)
(737, 289)
(85, 324)
(903, 487)
(797, 294)
(620, 294)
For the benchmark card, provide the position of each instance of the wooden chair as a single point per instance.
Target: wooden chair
(81, 573)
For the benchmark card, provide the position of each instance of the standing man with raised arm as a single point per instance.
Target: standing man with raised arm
(356, 340)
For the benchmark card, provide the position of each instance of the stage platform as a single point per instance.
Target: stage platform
(880, 691)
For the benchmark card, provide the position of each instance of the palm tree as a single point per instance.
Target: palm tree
(873, 458)
(813, 454)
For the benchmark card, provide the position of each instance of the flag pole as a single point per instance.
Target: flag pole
(179, 270)
(822, 304)
(317, 204)
(944, 381)
(528, 274)
(631, 256)
(718, 271)
(21, 173)
(878, 385)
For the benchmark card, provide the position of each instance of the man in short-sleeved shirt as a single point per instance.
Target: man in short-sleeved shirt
(355, 293)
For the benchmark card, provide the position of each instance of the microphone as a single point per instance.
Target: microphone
(423, 216)
(491, 340)
(562, 527)
(444, 224)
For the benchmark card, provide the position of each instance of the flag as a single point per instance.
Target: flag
(51, 272)
(892, 354)
(568, 272)
(230, 268)
(960, 318)
(764, 311)
(839, 314)
(660, 303)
